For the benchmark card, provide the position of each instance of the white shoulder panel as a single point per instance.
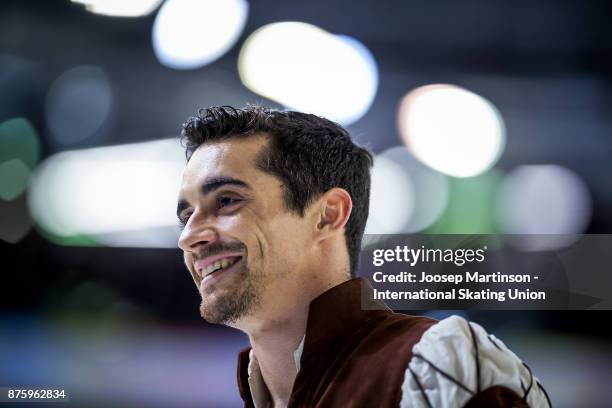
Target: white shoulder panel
(455, 359)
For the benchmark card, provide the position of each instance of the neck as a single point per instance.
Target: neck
(276, 335)
(274, 350)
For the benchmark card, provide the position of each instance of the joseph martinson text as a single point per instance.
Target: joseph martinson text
(456, 293)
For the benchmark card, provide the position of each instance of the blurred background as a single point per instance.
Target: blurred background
(489, 117)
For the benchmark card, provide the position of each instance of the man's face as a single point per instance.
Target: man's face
(241, 245)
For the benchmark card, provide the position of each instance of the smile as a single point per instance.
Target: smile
(222, 264)
(208, 266)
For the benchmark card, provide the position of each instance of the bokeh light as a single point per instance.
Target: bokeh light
(189, 34)
(19, 153)
(544, 199)
(308, 69)
(430, 189)
(18, 140)
(471, 206)
(108, 189)
(120, 8)
(451, 129)
(14, 176)
(77, 105)
(391, 198)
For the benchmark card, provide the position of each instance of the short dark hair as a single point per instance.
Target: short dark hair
(308, 153)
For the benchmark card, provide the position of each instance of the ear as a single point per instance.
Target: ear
(334, 207)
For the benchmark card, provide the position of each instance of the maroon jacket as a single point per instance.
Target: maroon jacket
(354, 357)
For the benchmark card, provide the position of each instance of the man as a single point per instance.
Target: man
(273, 207)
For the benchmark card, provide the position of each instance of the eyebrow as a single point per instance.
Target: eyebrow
(213, 184)
(209, 186)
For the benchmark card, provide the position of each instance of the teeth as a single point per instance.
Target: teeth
(222, 263)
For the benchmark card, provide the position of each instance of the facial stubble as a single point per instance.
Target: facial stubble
(235, 303)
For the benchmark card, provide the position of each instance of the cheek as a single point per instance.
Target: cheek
(231, 224)
(244, 228)
(289, 239)
(246, 224)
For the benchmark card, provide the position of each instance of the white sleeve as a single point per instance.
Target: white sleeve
(456, 359)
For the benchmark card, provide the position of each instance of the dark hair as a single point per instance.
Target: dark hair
(308, 153)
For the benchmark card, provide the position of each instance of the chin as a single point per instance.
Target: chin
(229, 307)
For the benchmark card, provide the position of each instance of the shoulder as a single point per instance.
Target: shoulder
(456, 360)
(396, 333)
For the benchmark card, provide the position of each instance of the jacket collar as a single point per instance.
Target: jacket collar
(339, 312)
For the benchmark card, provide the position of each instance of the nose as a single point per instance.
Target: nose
(196, 233)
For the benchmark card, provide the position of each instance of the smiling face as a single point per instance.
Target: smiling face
(244, 249)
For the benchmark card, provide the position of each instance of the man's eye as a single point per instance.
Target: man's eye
(225, 201)
(183, 220)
